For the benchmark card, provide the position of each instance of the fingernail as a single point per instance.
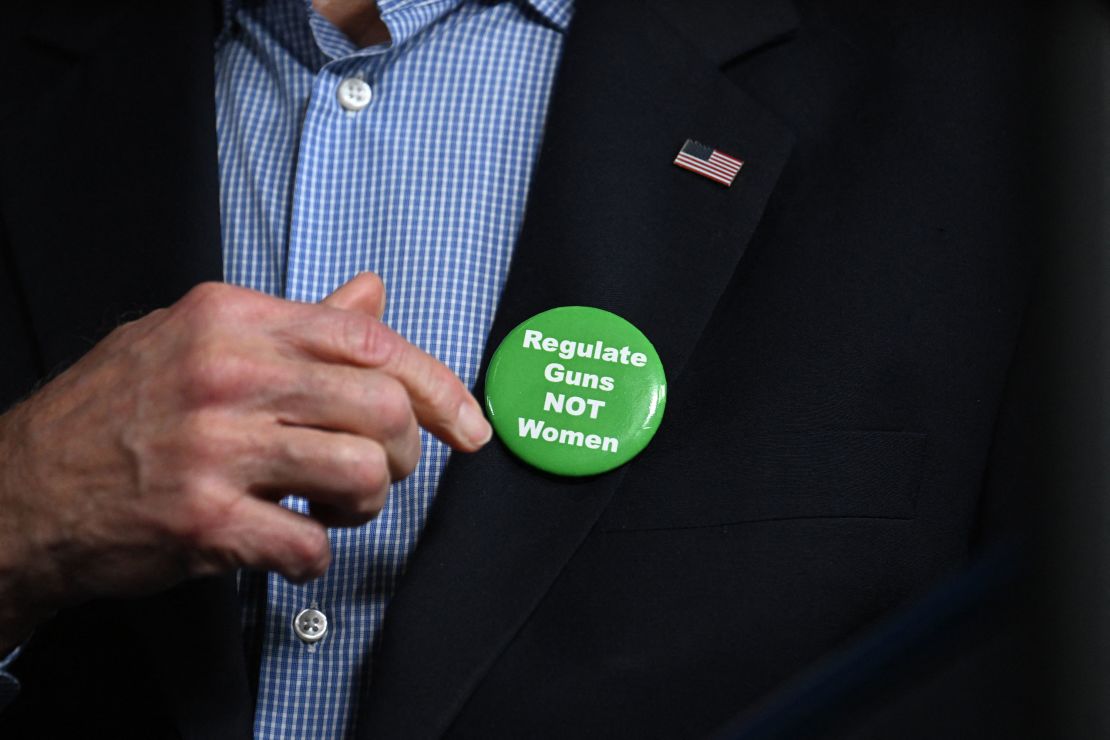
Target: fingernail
(473, 424)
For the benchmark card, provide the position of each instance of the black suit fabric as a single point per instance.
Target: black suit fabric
(836, 326)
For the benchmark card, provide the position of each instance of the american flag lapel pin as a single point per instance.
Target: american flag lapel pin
(708, 162)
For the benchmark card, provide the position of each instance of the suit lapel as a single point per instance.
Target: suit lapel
(121, 163)
(610, 223)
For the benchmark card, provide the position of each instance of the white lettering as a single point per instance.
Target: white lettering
(539, 430)
(568, 349)
(532, 338)
(571, 437)
(551, 402)
(529, 427)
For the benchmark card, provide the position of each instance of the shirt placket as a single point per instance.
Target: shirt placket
(319, 255)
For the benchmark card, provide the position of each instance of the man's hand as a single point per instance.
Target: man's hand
(162, 453)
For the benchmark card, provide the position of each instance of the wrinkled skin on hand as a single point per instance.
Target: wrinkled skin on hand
(161, 455)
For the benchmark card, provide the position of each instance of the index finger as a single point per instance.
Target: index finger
(441, 402)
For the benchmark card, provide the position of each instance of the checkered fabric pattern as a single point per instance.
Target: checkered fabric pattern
(426, 186)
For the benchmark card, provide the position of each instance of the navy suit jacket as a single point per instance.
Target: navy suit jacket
(837, 328)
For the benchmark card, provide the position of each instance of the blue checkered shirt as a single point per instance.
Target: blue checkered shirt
(426, 186)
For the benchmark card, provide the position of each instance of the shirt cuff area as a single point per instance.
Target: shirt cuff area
(9, 684)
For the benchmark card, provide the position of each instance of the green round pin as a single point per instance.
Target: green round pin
(575, 391)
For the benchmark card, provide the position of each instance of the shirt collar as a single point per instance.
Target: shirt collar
(404, 18)
(230, 8)
(556, 12)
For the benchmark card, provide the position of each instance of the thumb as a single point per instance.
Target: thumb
(364, 292)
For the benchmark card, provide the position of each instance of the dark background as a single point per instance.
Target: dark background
(1019, 645)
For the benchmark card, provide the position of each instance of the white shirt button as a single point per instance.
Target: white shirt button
(310, 625)
(354, 94)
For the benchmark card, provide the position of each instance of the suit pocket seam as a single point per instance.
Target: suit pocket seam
(853, 474)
